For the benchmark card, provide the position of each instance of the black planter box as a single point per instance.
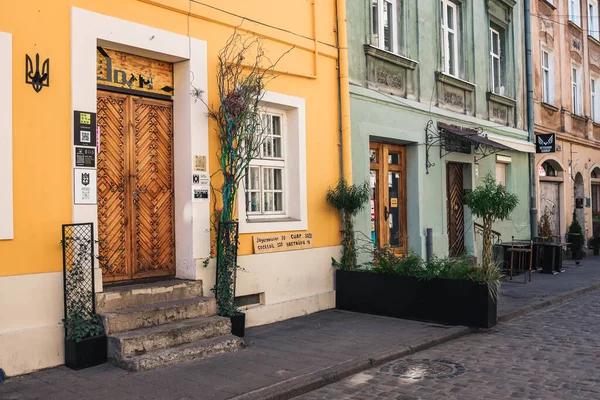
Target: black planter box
(238, 324)
(86, 353)
(446, 301)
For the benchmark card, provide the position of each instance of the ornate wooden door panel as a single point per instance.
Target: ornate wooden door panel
(152, 185)
(112, 183)
(135, 187)
(456, 217)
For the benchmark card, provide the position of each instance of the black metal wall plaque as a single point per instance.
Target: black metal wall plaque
(84, 129)
(545, 143)
(579, 202)
(85, 157)
(34, 77)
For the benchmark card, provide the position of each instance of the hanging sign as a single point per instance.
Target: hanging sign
(85, 185)
(285, 242)
(545, 143)
(84, 127)
(131, 72)
(85, 157)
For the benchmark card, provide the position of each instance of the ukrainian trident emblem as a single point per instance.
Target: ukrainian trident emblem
(36, 78)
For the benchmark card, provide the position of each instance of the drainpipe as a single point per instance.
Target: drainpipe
(344, 93)
(530, 121)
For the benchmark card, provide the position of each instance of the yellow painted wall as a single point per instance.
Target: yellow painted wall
(42, 121)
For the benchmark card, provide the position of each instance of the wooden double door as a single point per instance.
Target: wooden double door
(388, 196)
(136, 229)
(455, 209)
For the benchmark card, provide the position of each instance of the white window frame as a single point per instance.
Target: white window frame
(593, 19)
(576, 90)
(269, 162)
(497, 87)
(295, 216)
(394, 46)
(446, 31)
(595, 98)
(575, 12)
(6, 164)
(547, 73)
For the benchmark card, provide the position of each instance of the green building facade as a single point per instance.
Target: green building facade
(437, 102)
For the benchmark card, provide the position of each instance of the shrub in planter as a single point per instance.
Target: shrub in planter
(451, 291)
(595, 244)
(85, 341)
(575, 237)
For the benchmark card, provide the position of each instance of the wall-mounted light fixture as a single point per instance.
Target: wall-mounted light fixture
(36, 78)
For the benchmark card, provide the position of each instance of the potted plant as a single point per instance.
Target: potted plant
(595, 244)
(545, 231)
(575, 238)
(349, 200)
(85, 338)
(238, 120)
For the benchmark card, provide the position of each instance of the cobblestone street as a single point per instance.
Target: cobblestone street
(548, 354)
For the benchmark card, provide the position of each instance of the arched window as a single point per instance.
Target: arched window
(549, 170)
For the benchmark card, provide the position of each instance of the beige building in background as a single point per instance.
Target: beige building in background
(566, 70)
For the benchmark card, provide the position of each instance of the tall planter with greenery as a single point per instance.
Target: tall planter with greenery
(490, 202)
(575, 237)
(242, 73)
(349, 200)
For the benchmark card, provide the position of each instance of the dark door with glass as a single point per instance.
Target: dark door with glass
(388, 196)
(456, 214)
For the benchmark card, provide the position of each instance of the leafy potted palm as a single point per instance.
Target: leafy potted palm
(85, 338)
(575, 237)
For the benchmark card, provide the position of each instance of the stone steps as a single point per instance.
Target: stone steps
(119, 297)
(127, 319)
(186, 352)
(162, 323)
(144, 340)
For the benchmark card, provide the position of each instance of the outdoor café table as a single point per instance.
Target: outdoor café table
(552, 256)
(517, 244)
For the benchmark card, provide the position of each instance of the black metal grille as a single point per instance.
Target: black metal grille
(78, 272)
(227, 248)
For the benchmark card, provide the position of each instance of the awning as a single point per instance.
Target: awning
(470, 136)
(522, 146)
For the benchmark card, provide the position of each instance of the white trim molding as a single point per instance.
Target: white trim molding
(295, 167)
(189, 55)
(6, 147)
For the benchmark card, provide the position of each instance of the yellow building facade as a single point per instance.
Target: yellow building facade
(45, 157)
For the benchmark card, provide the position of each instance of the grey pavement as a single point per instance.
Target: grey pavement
(310, 350)
(549, 354)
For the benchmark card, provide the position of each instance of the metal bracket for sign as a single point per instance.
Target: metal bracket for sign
(437, 137)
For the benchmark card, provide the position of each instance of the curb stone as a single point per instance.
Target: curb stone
(305, 383)
(302, 384)
(546, 303)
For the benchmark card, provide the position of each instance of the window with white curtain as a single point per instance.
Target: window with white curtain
(450, 31)
(384, 25)
(266, 175)
(547, 76)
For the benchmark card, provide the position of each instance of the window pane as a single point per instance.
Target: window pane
(495, 43)
(394, 158)
(277, 179)
(451, 69)
(253, 183)
(267, 179)
(278, 202)
(268, 202)
(254, 202)
(373, 156)
(545, 59)
(450, 21)
(387, 26)
(375, 24)
(496, 75)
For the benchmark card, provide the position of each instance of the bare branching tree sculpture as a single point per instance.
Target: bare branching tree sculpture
(242, 73)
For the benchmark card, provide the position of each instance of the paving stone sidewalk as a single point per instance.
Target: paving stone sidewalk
(301, 353)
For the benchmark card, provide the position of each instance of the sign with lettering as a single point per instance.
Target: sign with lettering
(545, 143)
(84, 128)
(85, 157)
(128, 71)
(284, 242)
